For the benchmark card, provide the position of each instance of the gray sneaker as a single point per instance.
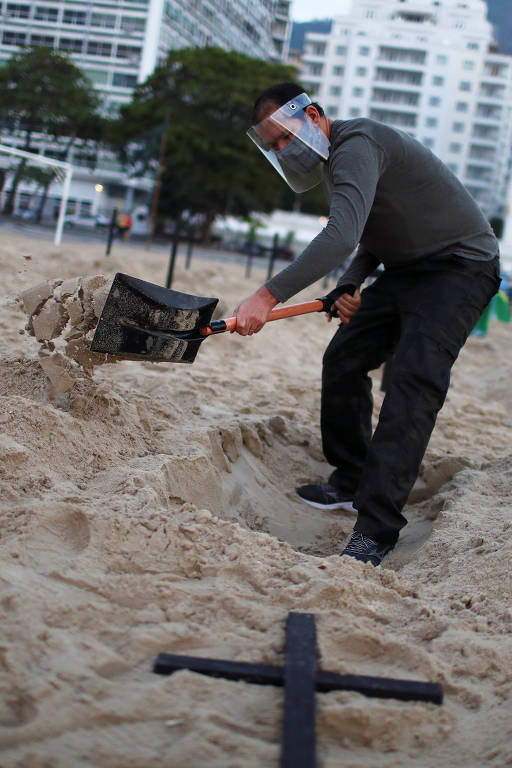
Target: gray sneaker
(325, 496)
(365, 549)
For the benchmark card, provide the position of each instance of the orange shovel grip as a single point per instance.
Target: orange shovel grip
(229, 323)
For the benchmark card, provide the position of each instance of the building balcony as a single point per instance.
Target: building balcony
(479, 184)
(398, 118)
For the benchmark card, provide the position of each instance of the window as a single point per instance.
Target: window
(469, 65)
(462, 106)
(364, 51)
(485, 132)
(71, 44)
(341, 50)
(332, 111)
(314, 68)
(437, 80)
(405, 55)
(43, 13)
(489, 111)
(105, 20)
(455, 148)
(493, 69)
(458, 127)
(453, 167)
(14, 38)
(338, 71)
(492, 91)
(473, 46)
(400, 119)
(42, 40)
(131, 24)
(95, 48)
(357, 92)
(482, 153)
(18, 11)
(122, 80)
(316, 49)
(429, 143)
(355, 112)
(97, 76)
(335, 90)
(361, 71)
(128, 52)
(388, 75)
(464, 86)
(431, 122)
(434, 101)
(74, 17)
(388, 96)
(479, 173)
(441, 59)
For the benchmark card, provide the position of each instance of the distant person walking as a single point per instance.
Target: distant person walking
(124, 225)
(401, 207)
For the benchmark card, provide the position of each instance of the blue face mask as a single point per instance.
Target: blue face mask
(298, 155)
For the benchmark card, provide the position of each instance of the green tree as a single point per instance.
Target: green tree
(44, 93)
(200, 102)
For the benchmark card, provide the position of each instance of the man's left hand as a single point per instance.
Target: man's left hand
(347, 306)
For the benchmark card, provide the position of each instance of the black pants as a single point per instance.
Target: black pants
(422, 314)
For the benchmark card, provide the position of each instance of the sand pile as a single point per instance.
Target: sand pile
(150, 507)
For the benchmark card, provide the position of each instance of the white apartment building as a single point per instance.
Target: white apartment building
(428, 67)
(118, 43)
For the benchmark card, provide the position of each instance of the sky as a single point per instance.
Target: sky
(306, 10)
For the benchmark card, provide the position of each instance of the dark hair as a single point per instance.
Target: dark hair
(277, 95)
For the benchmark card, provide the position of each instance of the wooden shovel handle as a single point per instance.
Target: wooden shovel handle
(229, 323)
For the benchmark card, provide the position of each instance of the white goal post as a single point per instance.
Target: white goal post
(64, 174)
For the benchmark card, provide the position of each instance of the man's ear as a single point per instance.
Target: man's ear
(313, 113)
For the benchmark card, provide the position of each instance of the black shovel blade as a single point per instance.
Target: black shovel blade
(144, 321)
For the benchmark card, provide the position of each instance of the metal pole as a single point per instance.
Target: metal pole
(174, 250)
(189, 248)
(272, 257)
(111, 231)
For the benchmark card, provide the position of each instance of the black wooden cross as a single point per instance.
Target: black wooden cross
(301, 679)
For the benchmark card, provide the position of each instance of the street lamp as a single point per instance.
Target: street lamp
(96, 204)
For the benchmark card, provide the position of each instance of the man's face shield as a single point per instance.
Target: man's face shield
(293, 144)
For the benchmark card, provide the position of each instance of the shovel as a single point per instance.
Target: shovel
(143, 321)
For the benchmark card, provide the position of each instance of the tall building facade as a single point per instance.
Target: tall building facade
(118, 43)
(430, 68)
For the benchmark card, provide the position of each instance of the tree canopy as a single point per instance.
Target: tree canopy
(42, 92)
(202, 98)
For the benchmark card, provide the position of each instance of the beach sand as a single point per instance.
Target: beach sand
(150, 508)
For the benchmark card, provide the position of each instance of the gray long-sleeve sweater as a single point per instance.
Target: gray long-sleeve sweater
(394, 199)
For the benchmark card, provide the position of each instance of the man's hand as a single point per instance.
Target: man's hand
(251, 315)
(346, 306)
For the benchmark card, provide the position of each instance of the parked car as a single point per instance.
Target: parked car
(258, 249)
(27, 214)
(74, 220)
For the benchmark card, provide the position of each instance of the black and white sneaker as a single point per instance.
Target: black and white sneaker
(365, 549)
(325, 496)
